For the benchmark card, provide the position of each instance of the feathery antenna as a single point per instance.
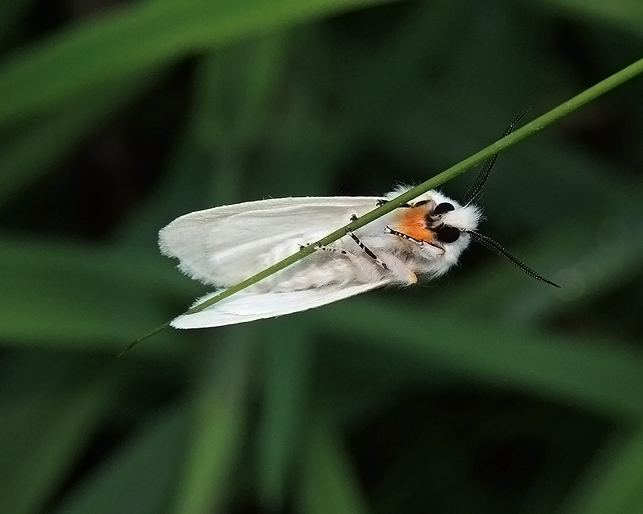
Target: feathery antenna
(490, 244)
(487, 167)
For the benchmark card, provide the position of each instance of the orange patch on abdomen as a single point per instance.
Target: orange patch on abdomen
(411, 223)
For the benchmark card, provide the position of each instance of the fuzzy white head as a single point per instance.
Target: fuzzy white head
(431, 232)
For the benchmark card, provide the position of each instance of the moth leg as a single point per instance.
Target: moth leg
(368, 251)
(331, 249)
(394, 265)
(382, 201)
(317, 247)
(389, 230)
(405, 205)
(322, 248)
(421, 242)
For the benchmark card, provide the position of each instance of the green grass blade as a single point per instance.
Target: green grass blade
(139, 477)
(42, 432)
(66, 296)
(614, 484)
(60, 134)
(328, 482)
(601, 378)
(627, 14)
(218, 417)
(287, 378)
(140, 38)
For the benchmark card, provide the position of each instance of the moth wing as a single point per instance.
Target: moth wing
(224, 245)
(246, 306)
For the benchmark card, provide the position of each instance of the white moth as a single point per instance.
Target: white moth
(226, 245)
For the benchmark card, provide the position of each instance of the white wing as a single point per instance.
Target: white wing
(225, 245)
(248, 306)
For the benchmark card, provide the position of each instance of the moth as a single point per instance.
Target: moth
(226, 245)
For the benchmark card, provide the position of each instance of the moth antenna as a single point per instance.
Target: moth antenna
(487, 167)
(490, 244)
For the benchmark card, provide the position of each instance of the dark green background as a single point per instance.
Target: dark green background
(481, 392)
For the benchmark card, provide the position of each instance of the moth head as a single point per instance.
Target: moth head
(452, 226)
(449, 222)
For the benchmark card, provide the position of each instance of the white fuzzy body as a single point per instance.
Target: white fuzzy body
(228, 244)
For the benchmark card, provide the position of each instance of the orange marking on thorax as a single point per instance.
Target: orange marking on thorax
(411, 222)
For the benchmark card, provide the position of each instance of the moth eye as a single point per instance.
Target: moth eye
(447, 234)
(441, 208)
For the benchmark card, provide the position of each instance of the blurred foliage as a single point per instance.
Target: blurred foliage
(481, 392)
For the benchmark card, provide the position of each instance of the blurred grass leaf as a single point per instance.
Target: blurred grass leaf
(139, 477)
(61, 134)
(73, 297)
(219, 410)
(45, 427)
(614, 484)
(139, 38)
(287, 390)
(328, 482)
(627, 14)
(592, 375)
